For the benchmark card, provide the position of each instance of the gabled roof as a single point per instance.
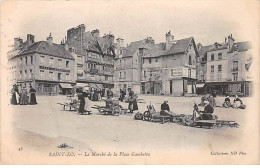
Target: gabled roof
(44, 47)
(203, 50)
(132, 48)
(100, 44)
(217, 46)
(179, 46)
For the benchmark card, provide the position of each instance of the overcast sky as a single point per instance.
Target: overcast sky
(207, 21)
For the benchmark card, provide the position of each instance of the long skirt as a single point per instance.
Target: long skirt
(23, 99)
(13, 99)
(133, 105)
(33, 99)
(82, 106)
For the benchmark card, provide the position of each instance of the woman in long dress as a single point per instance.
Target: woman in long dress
(32, 92)
(23, 98)
(14, 98)
(132, 106)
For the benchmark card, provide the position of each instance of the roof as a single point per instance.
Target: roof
(44, 47)
(96, 44)
(217, 46)
(203, 50)
(155, 50)
(132, 48)
(179, 46)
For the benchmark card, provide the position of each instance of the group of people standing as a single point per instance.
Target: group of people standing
(23, 97)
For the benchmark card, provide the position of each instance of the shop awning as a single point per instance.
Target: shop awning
(82, 85)
(200, 85)
(66, 85)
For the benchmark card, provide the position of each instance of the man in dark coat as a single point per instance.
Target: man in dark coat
(132, 106)
(32, 92)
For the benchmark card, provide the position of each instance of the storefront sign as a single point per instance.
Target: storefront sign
(54, 69)
(176, 72)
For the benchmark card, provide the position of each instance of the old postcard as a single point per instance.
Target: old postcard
(130, 82)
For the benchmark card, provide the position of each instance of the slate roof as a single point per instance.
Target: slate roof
(93, 44)
(132, 48)
(217, 46)
(44, 47)
(155, 50)
(203, 50)
(179, 46)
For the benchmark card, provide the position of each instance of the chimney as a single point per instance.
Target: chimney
(230, 42)
(149, 40)
(17, 42)
(95, 33)
(49, 39)
(169, 40)
(119, 45)
(110, 38)
(30, 39)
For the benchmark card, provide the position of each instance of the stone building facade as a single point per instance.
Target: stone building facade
(45, 65)
(93, 55)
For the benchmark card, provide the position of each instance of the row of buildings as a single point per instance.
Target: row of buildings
(174, 67)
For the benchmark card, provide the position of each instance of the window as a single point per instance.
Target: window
(25, 60)
(219, 77)
(21, 74)
(42, 60)
(189, 73)
(51, 62)
(212, 77)
(21, 61)
(219, 68)
(124, 61)
(103, 67)
(239, 87)
(229, 88)
(150, 60)
(79, 68)
(120, 75)
(202, 77)
(80, 59)
(144, 73)
(156, 60)
(212, 68)
(235, 65)
(220, 56)
(136, 62)
(32, 60)
(67, 64)
(120, 62)
(50, 75)
(190, 63)
(106, 78)
(42, 74)
(25, 74)
(124, 74)
(30, 74)
(59, 63)
(67, 76)
(59, 76)
(212, 57)
(235, 76)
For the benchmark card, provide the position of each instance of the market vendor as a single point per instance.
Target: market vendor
(227, 102)
(165, 109)
(208, 110)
